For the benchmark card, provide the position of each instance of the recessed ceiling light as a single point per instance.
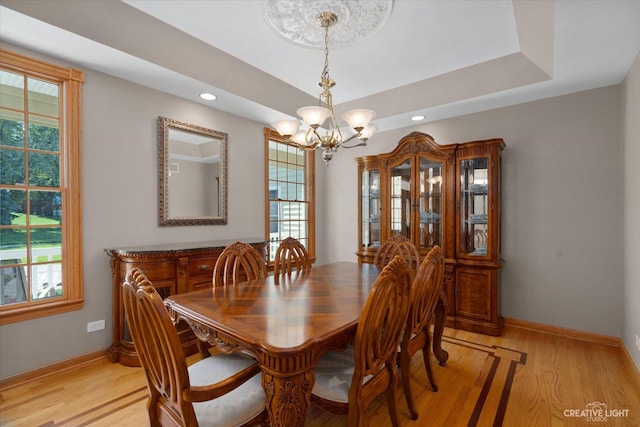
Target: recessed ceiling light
(417, 118)
(208, 96)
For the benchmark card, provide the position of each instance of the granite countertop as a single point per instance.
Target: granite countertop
(181, 247)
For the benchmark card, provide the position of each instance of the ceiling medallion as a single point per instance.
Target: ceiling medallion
(295, 20)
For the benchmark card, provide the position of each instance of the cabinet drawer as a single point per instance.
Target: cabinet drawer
(200, 283)
(155, 271)
(201, 267)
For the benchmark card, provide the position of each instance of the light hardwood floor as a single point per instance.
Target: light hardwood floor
(523, 378)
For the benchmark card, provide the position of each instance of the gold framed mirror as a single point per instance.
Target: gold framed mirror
(192, 174)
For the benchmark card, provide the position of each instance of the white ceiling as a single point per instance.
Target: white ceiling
(435, 58)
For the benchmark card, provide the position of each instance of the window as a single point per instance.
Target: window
(40, 201)
(290, 211)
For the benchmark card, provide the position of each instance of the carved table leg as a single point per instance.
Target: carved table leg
(438, 329)
(287, 380)
(288, 396)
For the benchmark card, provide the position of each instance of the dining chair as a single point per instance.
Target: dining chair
(348, 381)
(397, 245)
(221, 390)
(425, 290)
(239, 261)
(291, 255)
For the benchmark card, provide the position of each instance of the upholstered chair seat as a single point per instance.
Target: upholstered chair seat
(234, 408)
(333, 375)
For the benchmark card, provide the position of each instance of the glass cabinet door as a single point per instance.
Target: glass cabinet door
(370, 209)
(474, 206)
(401, 199)
(430, 203)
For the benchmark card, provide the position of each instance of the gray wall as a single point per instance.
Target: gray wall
(193, 190)
(563, 206)
(631, 223)
(120, 205)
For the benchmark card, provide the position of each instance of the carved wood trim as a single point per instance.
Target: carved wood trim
(283, 396)
(210, 335)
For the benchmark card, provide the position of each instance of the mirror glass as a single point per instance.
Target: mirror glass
(192, 174)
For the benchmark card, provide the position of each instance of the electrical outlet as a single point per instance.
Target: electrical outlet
(95, 326)
(638, 342)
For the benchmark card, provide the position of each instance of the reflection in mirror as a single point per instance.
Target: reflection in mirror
(401, 199)
(194, 164)
(192, 174)
(474, 206)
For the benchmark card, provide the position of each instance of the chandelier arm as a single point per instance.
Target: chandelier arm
(362, 144)
(312, 147)
(336, 128)
(316, 134)
(357, 135)
(311, 142)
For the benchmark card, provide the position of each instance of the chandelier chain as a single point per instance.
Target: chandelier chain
(325, 71)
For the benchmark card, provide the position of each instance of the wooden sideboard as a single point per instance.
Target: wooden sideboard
(173, 269)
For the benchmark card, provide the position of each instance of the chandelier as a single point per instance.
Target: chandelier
(316, 137)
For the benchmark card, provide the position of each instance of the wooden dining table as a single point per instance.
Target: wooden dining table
(286, 324)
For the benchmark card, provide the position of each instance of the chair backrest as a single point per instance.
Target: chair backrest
(158, 346)
(479, 239)
(239, 261)
(291, 255)
(425, 290)
(381, 324)
(397, 245)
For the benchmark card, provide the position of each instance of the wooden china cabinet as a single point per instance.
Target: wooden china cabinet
(446, 195)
